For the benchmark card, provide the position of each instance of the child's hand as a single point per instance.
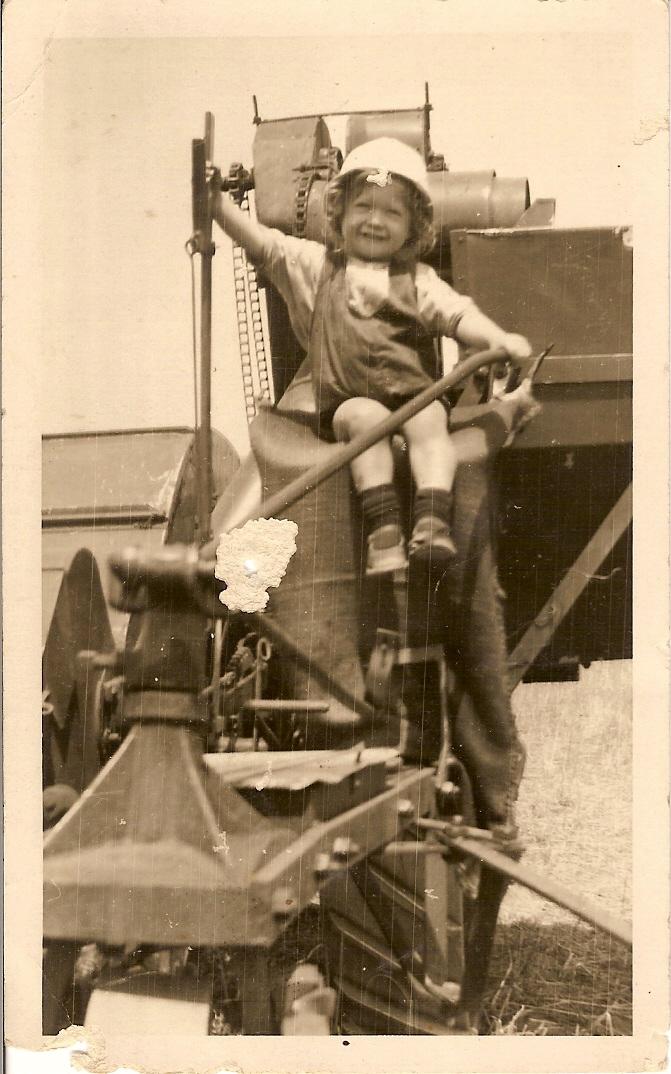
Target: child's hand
(213, 179)
(516, 346)
(238, 225)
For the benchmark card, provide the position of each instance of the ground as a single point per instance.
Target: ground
(550, 974)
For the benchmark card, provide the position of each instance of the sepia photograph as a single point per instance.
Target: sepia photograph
(329, 419)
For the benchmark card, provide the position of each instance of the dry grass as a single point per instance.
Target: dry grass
(558, 980)
(551, 974)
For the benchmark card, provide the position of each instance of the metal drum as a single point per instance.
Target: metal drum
(475, 200)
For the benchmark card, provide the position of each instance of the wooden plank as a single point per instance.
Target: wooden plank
(571, 586)
(549, 889)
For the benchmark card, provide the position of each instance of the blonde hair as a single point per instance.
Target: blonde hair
(345, 187)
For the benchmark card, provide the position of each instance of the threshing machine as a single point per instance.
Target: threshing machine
(251, 846)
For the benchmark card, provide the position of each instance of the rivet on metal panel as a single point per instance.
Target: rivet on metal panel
(322, 866)
(283, 902)
(343, 849)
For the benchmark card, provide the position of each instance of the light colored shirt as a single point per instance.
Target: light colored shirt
(295, 266)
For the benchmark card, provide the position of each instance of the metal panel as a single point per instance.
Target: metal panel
(565, 471)
(109, 489)
(570, 287)
(550, 504)
(96, 475)
(281, 149)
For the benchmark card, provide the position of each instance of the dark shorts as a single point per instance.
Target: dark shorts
(324, 421)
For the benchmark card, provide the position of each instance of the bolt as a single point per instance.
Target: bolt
(283, 902)
(322, 866)
(343, 849)
(405, 808)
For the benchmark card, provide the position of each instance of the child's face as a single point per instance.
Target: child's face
(376, 221)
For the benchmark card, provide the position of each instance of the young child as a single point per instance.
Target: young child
(367, 312)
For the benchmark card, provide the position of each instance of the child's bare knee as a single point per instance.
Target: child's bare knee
(355, 415)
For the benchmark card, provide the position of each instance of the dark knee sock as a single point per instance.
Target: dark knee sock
(380, 507)
(437, 502)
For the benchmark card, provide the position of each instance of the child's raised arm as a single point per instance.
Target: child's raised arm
(477, 330)
(240, 227)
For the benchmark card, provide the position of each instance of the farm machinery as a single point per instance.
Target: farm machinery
(274, 824)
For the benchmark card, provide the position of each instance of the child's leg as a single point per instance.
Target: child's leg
(375, 466)
(433, 461)
(373, 475)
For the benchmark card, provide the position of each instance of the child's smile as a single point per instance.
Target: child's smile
(376, 222)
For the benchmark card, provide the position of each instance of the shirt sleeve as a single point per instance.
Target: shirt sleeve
(294, 266)
(440, 307)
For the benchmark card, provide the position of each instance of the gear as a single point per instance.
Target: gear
(326, 167)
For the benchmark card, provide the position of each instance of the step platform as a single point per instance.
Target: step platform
(313, 784)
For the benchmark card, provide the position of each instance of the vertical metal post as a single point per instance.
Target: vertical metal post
(204, 432)
(203, 188)
(427, 108)
(444, 927)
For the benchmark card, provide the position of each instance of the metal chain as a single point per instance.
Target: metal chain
(239, 273)
(251, 337)
(256, 369)
(260, 352)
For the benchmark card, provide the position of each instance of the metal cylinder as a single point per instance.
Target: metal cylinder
(460, 200)
(475, 200)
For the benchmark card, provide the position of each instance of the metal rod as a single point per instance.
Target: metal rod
(447, 829)
(266, 704)
(358, 112)
(202, 189)
(204, 434)
(304, 483)
(413, 849)
(537, 363)
(209, 136)
(482, 848)
(548, 889)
